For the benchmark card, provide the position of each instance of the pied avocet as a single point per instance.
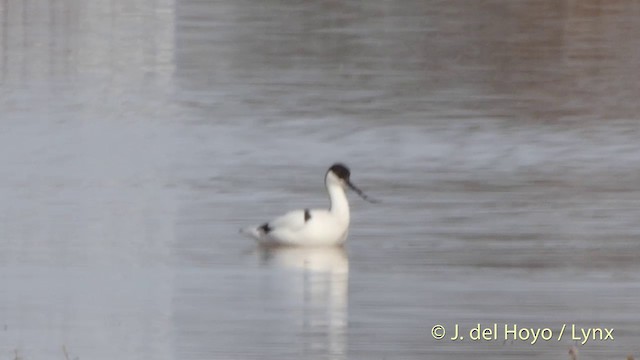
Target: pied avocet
(313, 227)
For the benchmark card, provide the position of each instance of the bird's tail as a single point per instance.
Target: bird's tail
(252, 232)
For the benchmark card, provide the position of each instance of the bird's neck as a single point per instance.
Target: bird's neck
(339, 203)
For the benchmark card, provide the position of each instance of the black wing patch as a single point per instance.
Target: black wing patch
(265, 228)
(307, 215)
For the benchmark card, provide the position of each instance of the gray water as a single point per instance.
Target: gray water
(137, 136)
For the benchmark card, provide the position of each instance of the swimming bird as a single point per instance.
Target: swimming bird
(313, 227)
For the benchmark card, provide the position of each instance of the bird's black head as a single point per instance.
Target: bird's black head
(341, 171)
(341, 175)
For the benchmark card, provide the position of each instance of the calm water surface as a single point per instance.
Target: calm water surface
(136, 137)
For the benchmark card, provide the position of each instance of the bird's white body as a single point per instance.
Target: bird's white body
(311, 227)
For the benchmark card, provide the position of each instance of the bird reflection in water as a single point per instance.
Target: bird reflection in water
(315, 285)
